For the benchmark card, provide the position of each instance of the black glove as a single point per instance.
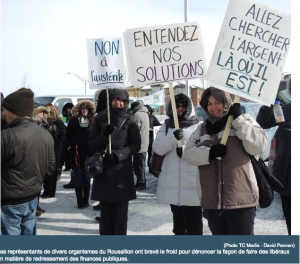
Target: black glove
(179, 152)
(266, 109)
(216, 151)
(235, 110)
(111, 158)
(178, 134)
(108, 130)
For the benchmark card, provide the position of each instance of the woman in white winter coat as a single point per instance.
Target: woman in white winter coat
(229, 188)
(177, 180)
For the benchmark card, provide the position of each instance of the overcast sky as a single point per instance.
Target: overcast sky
(44, 40)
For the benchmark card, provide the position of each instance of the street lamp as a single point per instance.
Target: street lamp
(81, 79)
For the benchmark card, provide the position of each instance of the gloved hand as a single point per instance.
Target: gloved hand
(108, 130)
(235, 110)
(179, 152)
(178, 134)
(266, 109)
(111, 158)
(216, 151)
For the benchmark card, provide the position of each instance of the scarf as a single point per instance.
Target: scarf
(84, 122)
(216, 127)
(183, 121)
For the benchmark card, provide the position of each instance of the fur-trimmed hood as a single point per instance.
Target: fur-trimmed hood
(89, 104)
(185, 100)
(188, 118)
(40, 109)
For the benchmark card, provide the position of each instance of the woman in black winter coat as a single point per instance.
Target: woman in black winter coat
(50, 182)
(114, 188)
(282, 162)
(78, 131)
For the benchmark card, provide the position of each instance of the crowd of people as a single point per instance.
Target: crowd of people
(199, 177)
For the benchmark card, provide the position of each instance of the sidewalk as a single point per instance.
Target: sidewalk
(145, 216)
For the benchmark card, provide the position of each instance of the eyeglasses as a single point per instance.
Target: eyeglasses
(180, 105)
(117, 99)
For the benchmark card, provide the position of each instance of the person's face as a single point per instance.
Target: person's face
(69, 110)
(215, 107)
(9, 117)
(41, 114)
(84, 111)
(180, 109)
(120, 103)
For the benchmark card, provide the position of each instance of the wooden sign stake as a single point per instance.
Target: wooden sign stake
(228, 125)
(172, 97)
(108, 118)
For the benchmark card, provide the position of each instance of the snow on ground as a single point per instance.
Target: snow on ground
(145, 216)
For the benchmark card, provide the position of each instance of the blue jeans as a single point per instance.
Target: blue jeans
(80, 179)
(18, 219)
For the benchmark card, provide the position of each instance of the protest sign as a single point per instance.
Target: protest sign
(105, 63)
(165, 53)
(155, 99)
(251, 51)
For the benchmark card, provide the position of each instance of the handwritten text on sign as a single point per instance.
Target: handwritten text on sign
(105, 62)
(251, 50)
(165, 53)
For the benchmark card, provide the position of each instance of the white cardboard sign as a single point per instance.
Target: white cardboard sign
(165, 53)
(105, 63)
(251, 51)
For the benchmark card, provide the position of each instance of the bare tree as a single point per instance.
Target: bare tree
(24, 81)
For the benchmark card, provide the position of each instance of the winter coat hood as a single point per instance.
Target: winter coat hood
(186, 119)
(118, 93)
(40, 109)
(221, 96)
(87, 103)
(100, 100)
(140, 108)
(66, 106)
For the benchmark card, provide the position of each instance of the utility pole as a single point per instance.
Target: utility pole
(81, 79)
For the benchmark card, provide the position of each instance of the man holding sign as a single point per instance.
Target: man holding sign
(229, 188)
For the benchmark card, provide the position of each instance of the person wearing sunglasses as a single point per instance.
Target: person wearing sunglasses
(177, 179)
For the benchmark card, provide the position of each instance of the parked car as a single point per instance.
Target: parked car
(252, 109)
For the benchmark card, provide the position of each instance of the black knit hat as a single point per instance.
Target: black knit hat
(19, 102)
(150, 109)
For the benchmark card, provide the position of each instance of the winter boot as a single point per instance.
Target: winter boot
(71, 184)
(78, 191)
(140, 186)
(86, 196)
(97, 207)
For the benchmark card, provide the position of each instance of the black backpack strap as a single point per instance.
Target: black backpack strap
(116, 133)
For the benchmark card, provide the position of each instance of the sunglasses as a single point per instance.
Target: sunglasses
(180, 105)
